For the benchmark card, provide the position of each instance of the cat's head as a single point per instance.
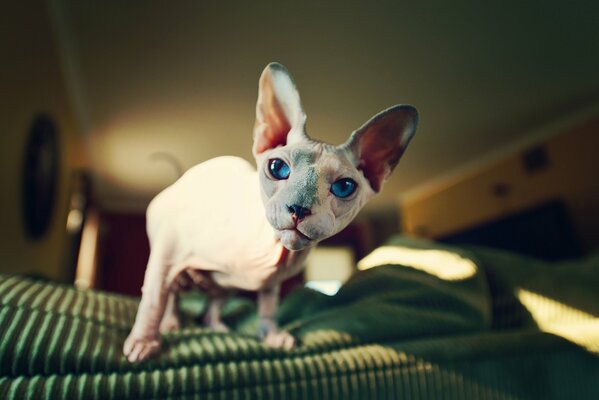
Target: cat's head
(312, 190)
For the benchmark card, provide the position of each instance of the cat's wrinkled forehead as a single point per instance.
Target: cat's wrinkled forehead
(320, 161)
(302, 156)
(322, 158)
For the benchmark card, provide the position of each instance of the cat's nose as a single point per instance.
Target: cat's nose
(298, 211)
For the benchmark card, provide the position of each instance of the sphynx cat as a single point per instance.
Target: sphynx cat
(225, 225)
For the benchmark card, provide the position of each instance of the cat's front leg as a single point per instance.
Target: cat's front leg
(268, 329)
(144, 338)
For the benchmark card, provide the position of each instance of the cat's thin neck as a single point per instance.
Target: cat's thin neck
(290, 258)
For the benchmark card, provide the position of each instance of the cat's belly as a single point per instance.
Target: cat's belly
(225, 272)
(190, 278)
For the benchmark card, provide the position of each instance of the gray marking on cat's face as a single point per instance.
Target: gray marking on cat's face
(314, 166)
(305, 179)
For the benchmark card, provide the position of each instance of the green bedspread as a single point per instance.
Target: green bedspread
(394, 331)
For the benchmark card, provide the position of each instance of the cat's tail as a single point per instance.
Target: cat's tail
(169, 158)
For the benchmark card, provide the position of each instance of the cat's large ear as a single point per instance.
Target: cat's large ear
(280, 118)
(377, 146)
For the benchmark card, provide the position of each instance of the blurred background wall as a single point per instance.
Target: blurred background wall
(32, 81)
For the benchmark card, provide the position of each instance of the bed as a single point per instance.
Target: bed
(421, 321)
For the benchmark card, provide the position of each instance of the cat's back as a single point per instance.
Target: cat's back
(217, 172)
(212, 192)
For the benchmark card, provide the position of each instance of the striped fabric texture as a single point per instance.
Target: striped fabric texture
(391, 333)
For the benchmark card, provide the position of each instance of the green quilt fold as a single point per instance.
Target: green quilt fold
(419, 330)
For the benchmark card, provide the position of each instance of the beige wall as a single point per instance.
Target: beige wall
(469, 200)
(31, 82)
(150, 76)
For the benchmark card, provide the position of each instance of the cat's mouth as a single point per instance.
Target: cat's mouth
(298, 233)
(302, 234)
(294, 239)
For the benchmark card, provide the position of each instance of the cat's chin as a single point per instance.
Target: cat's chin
(293, 239)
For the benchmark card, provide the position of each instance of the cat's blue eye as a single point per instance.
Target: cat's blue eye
(344, 188)
(279, 169)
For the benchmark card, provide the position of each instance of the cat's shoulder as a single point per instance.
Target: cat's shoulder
(222, 165)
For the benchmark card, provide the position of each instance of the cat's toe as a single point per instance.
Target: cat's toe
(218, 327)
(138, 349)
(281, 340)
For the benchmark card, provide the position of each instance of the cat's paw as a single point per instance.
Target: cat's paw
(169, 324)
(218, 326)
(138, 349)
(280, 340)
